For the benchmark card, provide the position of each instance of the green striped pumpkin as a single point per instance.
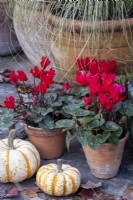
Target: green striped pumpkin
(58, 180)
(18, 162)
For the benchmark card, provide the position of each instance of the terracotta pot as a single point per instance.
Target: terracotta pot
(8, 40)
(105, 161)
(68, 44)
(50, 145)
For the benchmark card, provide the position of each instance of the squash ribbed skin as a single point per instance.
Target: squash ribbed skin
(50, 181)
(19, 163)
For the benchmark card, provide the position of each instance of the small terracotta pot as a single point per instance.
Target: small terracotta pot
(105, 161)
(50, 145)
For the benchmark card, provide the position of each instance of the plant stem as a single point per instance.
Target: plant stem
(34, 82)
(59, 165)
(11, 138)
(17, 91)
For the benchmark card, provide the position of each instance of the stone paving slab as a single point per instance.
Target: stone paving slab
(75, 156)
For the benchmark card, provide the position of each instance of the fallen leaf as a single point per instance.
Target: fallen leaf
(2, 104)
(12, 192)
(96, 194)
(30, 192)
(90, 185)
(128, 194)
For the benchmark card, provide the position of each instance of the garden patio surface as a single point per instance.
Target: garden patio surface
(75, 156)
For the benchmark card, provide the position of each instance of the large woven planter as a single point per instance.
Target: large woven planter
(105, 161)
(31, 32)
(68, 44)
(8, 40)
(50, 145)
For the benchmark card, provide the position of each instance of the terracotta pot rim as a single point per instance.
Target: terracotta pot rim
(87, 26)
(41, 132)
(120, 141)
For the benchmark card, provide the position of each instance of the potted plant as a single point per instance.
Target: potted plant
(102, 29)
(8, 40)
(41, 109)
(100, 120)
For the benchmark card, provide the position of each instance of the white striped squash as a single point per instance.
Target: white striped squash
(17, 163)
(58, 180)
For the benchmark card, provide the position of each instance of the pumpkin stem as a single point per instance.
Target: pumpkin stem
(59, 165)
(11, 138)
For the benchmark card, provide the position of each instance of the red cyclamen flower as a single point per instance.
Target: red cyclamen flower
(83, 63)
(47, 77)
(13, 77)
(66, 86)
(42, 87)
(22, 76)
(35, 71)
(45, 62)
(10, 102)
(82, 78)
(88, 101)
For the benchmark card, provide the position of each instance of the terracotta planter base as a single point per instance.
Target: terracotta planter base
(50, 145)
(105, 161)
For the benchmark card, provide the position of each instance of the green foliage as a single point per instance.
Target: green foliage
(75, 110)
(88, 138)
(114, 137)
(111, 126)
(117, 107)
(127, 108)
(94, 124)
(6, 118)
(82, 91)
(65, 123)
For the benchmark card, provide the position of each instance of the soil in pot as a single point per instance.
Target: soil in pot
(105, 161)
(50, 145)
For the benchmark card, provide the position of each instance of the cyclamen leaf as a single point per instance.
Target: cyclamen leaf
(111, 126)
(127, 108)
(44, 111)
(117, 106)
(82, 136)
(83, 91)
(50, 97)
(75, 110)
(69, 99)
(94, 124)
(6, 118)
(88, 138)
(86, 120)
(47, 124)
(115, 136)
(65, 123)
(57, 104)
(36, 118)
